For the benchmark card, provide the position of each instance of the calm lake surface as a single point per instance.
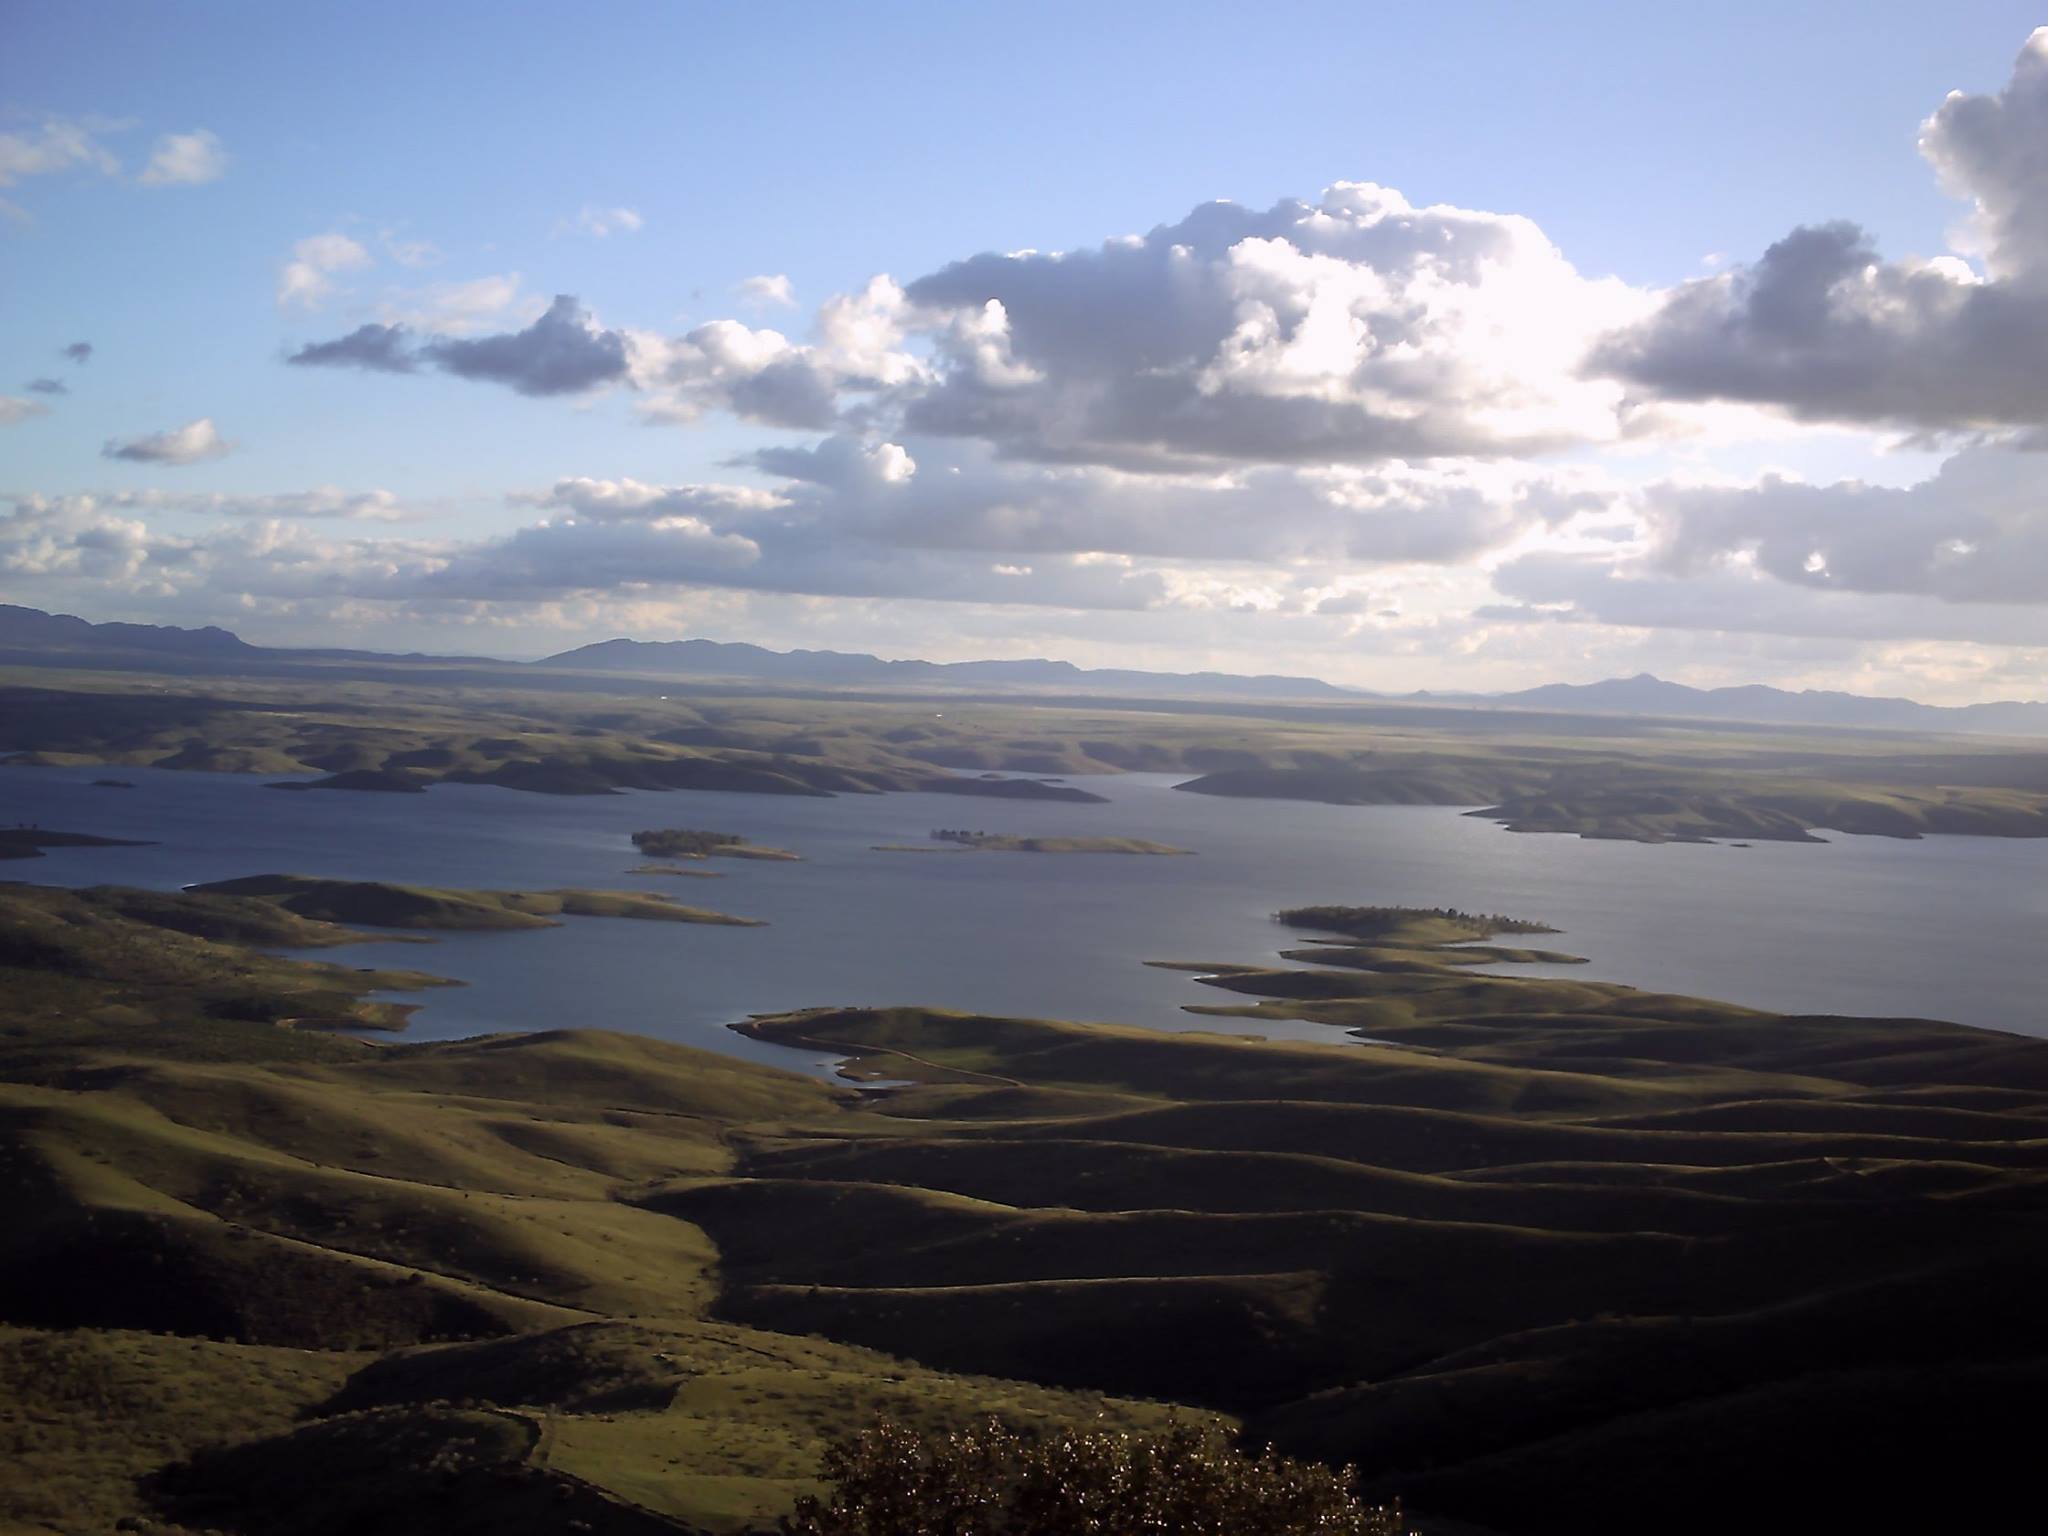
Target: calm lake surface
(1950, 927)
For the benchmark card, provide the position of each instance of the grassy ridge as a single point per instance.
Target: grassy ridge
(1539, 1237)
(255, 1278)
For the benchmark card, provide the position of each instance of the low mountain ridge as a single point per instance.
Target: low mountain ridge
(1645, 694)
(713, 658)
(63, 631)
(31, 637)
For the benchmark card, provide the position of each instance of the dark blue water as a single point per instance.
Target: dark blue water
(1943, 928)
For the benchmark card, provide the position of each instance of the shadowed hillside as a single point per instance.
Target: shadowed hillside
(1531, 1237)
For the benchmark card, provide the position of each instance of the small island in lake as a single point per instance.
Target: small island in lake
(691, 843)
(959, 840)
(1407, 925)
(1409, 939)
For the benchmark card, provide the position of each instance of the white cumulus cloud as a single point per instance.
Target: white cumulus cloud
(189, 444)
(307, 280)
(185, 160)
(15, 408)
(769, 290)
(602, 222)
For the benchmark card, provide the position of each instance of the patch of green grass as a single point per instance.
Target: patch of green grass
(88, 1413)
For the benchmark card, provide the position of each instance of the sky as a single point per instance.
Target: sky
(1451, 347)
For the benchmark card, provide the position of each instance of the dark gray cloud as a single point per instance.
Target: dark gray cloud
(79, 352)
(378, 348)
(792, 392)
(47, 387)
(1976, 532)
(1823, 327)
(1960, 556)
(561, 353)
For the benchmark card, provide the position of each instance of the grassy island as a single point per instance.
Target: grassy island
(689, 843)
(1406, 939)
(949, 840)
(379, 904)
(1407, 925)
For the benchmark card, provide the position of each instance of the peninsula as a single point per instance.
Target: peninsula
(380, 904)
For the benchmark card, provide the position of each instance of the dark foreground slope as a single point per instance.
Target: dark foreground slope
(1542, 1256)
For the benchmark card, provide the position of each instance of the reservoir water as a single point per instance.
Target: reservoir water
(1948, 927)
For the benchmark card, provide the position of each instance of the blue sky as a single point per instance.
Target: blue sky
(456, 147)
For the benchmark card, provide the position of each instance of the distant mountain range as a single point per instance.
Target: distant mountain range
(1647, 695)
(712, 658)
(31, 628)
(30, 637)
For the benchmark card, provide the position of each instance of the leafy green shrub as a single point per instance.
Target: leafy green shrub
(997, 1481)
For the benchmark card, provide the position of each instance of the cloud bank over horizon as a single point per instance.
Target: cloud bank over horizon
(1358, 435)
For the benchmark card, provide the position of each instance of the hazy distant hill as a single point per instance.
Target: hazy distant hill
(1647, 695)
(32, 629)
(30, 637)
(711, 658)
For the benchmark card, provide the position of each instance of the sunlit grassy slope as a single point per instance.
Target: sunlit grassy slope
(264, 1279)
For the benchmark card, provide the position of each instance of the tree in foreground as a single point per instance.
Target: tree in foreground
(997, 1481)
